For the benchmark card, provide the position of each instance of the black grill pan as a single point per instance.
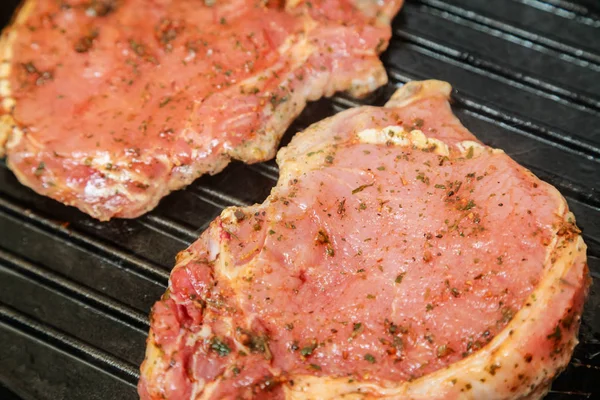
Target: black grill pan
(75, 293)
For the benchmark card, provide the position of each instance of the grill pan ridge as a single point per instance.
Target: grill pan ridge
(75, 293)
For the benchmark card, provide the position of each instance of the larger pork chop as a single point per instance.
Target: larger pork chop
(397, 257)
(111, 104)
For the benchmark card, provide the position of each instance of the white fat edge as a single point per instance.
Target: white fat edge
(6, 42)
(228, 216)
(390, 134)
(8, 129)
(97, 188)
(213, 249)
(291, 4)
(5, 88)
(308, 387)
(4, 70)
(398, 136)
(291, 167)
(422, 142)
(15, 136)
(121, 175)
(371, 82)
(199, 152)
(478, 148)
(8, 103)
(219, 254)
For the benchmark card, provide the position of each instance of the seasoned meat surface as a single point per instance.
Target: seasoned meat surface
(398, 257)
(111, 104)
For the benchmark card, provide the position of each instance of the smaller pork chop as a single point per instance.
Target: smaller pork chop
(111, 104)
(397, 257)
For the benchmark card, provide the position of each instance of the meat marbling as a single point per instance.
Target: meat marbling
(397, 257)
(111, 104)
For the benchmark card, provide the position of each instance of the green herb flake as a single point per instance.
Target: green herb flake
(362, 187)
(470, 204)
(443, 351)
(400, 277)
(40, 168)
(308, 350)
(164, 102)
(370, 358)
(220, 347)
(470, 153)
(421, 177)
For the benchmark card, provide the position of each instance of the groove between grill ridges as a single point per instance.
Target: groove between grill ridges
(266, 170)
(69, 345)
(553, 47)
(545, 89)
(571, 395)
(168, 227)
(217, 198)
(438, 56)
(568, 12)
(521, 125)
(52, 281)
(569, 6)
(531, 129)
(143, 268)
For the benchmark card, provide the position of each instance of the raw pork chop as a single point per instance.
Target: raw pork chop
(397, 257)
(112, 104)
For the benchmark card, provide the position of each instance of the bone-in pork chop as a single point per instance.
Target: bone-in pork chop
(111, 104)
(397, 257)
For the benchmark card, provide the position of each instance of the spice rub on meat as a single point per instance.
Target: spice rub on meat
(111, 104)
(398, 257)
